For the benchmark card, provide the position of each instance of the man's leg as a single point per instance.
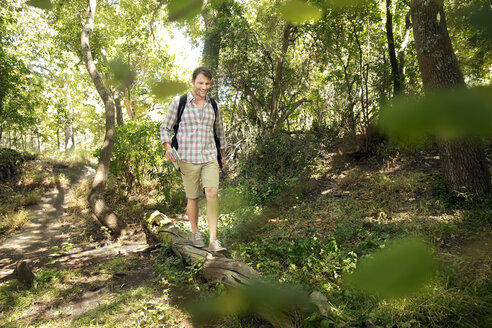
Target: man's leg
(190, 173)
(210, 179)
(192, 212)
(212, 211)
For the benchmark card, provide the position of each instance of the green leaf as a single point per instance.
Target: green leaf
(343, 3)
(395, 271)
(446, 114)
(298, 12)
(180, 10)
(121, 72)
(164, 89)
(481, 19)
(43, 4)
(217, 3)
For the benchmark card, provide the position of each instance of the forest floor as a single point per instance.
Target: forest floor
(311, 236)
(80, 280)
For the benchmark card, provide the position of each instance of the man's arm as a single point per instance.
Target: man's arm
(220, 130)
(167, 126)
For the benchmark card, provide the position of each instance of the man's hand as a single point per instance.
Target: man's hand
(223, 158)
(169, 155)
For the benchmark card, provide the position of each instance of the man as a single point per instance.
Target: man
(198, 152)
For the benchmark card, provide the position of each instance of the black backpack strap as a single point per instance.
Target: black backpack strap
(216, 138)
(181, 107)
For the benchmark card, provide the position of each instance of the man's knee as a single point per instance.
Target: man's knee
(211, 192)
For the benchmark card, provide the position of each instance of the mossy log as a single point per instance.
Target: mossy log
(216, 267)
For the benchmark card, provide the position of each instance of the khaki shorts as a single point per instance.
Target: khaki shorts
(191, 174)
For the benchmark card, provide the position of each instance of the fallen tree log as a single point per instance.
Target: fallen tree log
(216, 267)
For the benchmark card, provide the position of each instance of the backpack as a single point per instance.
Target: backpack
(181, 107)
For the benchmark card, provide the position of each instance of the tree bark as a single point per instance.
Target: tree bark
(211, 46)
(128, 104)
(278, 76)
(69, 134)
(96, 197)
(462, 161)
(403, 50)
(216, 267)
(117, 103)
(395, 71)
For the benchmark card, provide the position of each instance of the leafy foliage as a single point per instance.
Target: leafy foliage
(445, 114)
(397, 270)
(296, 11)
(138, 158)
(275, 163)
(164, 89)
(183, 9)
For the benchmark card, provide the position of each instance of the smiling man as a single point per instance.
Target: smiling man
(200, 142)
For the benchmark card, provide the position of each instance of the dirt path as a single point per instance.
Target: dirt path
(46, 227)
(106, 273)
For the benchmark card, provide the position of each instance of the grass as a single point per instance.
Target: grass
(89, 296)
(34, 178)
(317, 241)
(313, 240)
(12, 220)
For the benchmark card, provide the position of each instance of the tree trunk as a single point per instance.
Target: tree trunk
(128, 104)
(403, 50)
(211, 46)
(39, 141)
(277, 78)
(216, 267)
(96, 197)
(68, 136)
(58, 138)
(395, 71)
(462, 161)
(117, 103)
(69, 125)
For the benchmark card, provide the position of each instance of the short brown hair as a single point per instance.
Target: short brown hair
(202, 70)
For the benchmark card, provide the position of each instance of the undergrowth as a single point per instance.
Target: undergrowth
(316, 242)
(32, 178)
(304, 222)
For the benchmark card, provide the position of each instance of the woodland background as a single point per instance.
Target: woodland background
(351, 125)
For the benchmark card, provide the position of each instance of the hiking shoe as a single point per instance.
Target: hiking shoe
(197, 239)
(215, 246)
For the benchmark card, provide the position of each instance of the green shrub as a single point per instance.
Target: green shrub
(10, 159)
(275, 163)
(139, 158)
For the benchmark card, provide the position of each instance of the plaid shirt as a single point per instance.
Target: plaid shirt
(195, 135)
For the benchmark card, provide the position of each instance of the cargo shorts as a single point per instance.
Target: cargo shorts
(198, 176)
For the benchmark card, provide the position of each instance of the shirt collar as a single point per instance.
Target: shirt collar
(191, 97)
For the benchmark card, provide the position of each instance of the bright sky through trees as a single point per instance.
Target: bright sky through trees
(186, 57)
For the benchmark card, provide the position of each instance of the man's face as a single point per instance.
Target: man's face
(201, 85)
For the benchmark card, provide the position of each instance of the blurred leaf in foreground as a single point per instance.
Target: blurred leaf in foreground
(270, 302)
(481, 19)
(43, 4)
(447, 114)
(121, 73)
(342, 3)
(180, 10)
(298, 12)
(164, 89)
(397, 270)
